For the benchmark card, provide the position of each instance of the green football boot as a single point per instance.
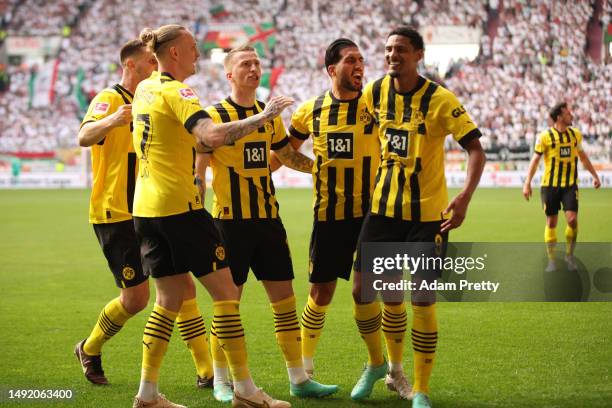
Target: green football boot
(370, 375)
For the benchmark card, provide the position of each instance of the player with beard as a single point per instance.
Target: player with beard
(347, 153)
(410, 199)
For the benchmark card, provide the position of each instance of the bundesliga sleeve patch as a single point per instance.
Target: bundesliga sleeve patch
(101, 107)
(187, 93)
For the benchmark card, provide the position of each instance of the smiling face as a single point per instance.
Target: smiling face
(401, 57)
(348, 72)
(244, 70)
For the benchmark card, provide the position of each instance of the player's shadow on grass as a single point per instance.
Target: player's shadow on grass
(563, 285)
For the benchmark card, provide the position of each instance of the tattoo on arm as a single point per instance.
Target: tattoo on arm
(294, 159)
(211, 135)
(241, 128)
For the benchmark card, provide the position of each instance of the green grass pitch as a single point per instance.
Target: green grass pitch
(54, 281)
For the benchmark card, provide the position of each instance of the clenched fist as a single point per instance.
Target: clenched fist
(122, 116)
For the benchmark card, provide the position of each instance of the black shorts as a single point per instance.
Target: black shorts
(257, 244)
(378, 228)
(120, 246)
(553, 197)
(332, 249)
(176, 244)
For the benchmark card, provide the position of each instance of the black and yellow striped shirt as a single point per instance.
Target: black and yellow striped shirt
(410, 182)
(347, 154)
(560, 152)
(242, 181)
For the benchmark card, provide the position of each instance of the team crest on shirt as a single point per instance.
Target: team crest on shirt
(269, 128)
(128, 272)
(187, 93)
(365, 117)
(438, 241)
(101, 107)
(220, 253)
(417, 117)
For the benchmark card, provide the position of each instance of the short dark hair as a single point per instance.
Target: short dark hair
(131, 48)
(412, 34)
(332, 53)
(557, 110)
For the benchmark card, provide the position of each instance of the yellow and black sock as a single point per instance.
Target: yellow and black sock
(193, 332)
(287, 330)
(230, 337)
(394, 321)
(157, 333)
(550, 238)
(368, 317)
(216, 351)
(424, 341)
(111, 320)
(570, 237)
(313, 319)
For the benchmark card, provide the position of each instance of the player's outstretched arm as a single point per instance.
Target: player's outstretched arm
(586, 162)
(93, 132)
(201, 164)
(214, 135)
(533, 166)
(459, 204)
(293, 159)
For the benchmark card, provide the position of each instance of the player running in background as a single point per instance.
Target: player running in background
(176, 234)
(561, 146)
(246, 213)
(347, 151)
(410, 199)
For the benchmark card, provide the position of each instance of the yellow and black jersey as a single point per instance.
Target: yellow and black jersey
(347, 154)
(242, 181)
(410, 182)
(560, 152)
(165, 111)
(113, 161)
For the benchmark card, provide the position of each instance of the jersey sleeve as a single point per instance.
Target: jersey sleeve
(539, 144)
(279, 139)
(578, 139)
(299, 123)
(185, 104)
(213, 114)
(456, 121)
(103, 105)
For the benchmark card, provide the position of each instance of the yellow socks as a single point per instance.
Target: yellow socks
(287, 329)
(394, 320)
(229, 335)
(193, 332)
(111, 320)
(157, 333)
(424, 340)
(550, 238)
(368, 317)
(570, 238)
(313, 319)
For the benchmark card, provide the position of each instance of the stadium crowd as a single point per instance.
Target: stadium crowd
(537, 56)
